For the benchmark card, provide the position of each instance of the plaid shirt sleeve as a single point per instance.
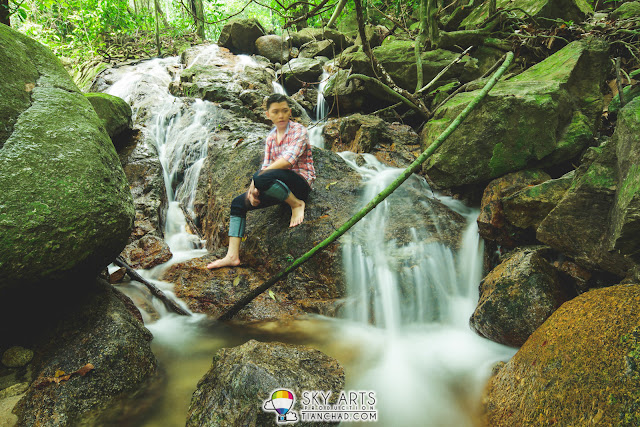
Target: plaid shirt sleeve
(268, 146)
(298, 140)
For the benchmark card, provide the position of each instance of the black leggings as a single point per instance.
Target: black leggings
(265, 181)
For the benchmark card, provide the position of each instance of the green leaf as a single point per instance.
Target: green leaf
(272, 295)
(236, 281)
(330, 184)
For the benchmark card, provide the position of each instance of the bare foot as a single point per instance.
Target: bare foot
(297, 213)
(227, 261)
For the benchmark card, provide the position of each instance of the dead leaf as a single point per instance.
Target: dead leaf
(85, 369)
(28, 87)
(330, 184)
(272, 295)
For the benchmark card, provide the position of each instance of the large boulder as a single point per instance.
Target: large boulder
(350, 97)
(242, 378)
(398, 58)
(577, 225)
(240, 35)
(491, 221)
(517, 297)
(628, 10)
(270, 244)
(312, 49)
(580, 367)
(274, 48)
(566, 10)
(392, 143)
(90, 359)
(300, 72)
(528, 207)
(307, 35)
(115, 114)
(65, 205)
(625, 216)
(543, 117)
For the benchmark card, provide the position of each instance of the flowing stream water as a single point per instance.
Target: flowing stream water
(405, 334)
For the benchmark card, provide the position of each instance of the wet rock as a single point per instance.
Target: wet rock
(65, 205)
(543, 117)
(527, 208)
(517, 297)
(215, 291)
(115, 114)
(575, 226)
(242, 378)
(300, 72)
(566, 10)
(350, 97)
(270, 244)
(94, 328)
(274, 48)
(491, 221)
(147, 252)
(625, 216)
(240, 35)
(306, 97)
(16, 357)
(394, 144)
(580, 367)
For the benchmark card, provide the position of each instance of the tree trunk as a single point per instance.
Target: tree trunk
(197, 10)
(157, 30)
(492, 7)
(161, 13)
(4, 13)
(336, 13)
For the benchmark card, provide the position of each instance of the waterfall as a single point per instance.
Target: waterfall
(409, 303)
(315, 132)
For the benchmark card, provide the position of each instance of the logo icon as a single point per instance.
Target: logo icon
(281, 402)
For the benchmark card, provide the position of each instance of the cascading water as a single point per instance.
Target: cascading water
(406, 333)
(422, 360)
(315, 132)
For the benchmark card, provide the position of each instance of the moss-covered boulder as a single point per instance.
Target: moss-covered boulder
(543, 117)
(115, 114)
(580, 367)
(627, 10)
(625, 216)
(518, 295)
(567, 10)
(527, 208)
(312, 49)
(242, 378)
(491, 221)
(398, 58)
(65, 205)
(240, 35)
(577, 226)
(307, 35)
(354, 96)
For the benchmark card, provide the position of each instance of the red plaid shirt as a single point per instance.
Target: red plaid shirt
(294, 148)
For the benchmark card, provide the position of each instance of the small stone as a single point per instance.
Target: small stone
(17, 357)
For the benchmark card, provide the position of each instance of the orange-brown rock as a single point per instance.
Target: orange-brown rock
(581, 367)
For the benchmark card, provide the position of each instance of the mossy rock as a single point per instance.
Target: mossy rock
(115, 114)
(562, 10)
(65, 205)
(543, 117)
(581, 367)
(627, 10)
(626, 212)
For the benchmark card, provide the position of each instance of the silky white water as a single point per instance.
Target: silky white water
(405, 332)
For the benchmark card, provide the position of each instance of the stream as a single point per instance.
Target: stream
(405, 332)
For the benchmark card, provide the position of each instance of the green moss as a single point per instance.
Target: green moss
(630, 187)
(599, 175)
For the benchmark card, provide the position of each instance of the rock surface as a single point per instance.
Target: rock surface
(115, 114)
(543, 117)
(65, 206)
(273, 47)
(240, 35)
(580, 367)
(518, 296)
(242, 378)
(96, 328)
(147, 252)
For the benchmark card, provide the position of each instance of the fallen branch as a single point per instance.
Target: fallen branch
(444, 70)
(227, 315)
(169, 303)
(190, 222)
(389, 91)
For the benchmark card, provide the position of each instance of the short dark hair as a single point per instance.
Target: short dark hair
(276, 97)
